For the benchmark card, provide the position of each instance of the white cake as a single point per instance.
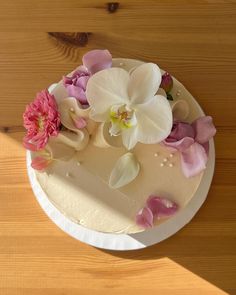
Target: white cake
(80, 185)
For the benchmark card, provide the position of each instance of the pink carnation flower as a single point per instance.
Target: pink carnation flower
(42, 120)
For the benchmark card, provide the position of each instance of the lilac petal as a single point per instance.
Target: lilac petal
(97, 60)
(204, 129)
(144, 218)
(77, 92)
(161, 207)
(82, 82)
(180, 145)
(181, 130)
(193, 160)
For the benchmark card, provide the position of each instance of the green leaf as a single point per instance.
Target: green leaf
(169, 96)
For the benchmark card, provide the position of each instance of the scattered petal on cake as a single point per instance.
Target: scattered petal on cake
(161, 207)
(193, 160)
(125, 170)
(204, 129)
(40, 163)
(144, 218)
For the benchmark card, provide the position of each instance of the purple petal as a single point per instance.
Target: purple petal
(97, 60)
(144, 218)
(193, 160)
(82, 82)
(204, 129)
(161, 207)
(180, 145)
(77, 92)
(181, 130)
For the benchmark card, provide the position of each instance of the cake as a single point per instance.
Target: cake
(118, 145)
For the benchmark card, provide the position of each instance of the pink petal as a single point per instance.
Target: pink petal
(77, 92)
(180, 145)
(161, 207)
(193, 160)
(204, 129)
(181, 130)
(80, 123)
(97, 60)
(144, 218)
(29, 146)
(39, 163)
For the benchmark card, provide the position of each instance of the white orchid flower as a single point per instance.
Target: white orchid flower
(130, 103)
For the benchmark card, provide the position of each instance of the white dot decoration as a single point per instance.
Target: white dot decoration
(72, 110)
(171, 165)
(121, 64)
(78, 163)
(156, 155)
(171, 155)
(67, 174)
(162, 164)
(165, 160)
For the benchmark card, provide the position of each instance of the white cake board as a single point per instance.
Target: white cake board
(125, 241)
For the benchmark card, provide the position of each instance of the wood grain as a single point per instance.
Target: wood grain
(193, 40)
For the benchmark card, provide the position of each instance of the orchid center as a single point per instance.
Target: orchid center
(122, 117)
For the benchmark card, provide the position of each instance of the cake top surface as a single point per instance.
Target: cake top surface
(119, 145)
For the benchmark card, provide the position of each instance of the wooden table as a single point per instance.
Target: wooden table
(193, 40)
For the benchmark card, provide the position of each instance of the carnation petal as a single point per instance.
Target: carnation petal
(144, 82)
(39, 163)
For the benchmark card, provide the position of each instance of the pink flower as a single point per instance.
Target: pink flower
(156, 208)
(93, 61)
(192, 141)
(42, 120)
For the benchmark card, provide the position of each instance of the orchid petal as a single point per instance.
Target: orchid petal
(102, 137)
(105, 89)
(130, 137)
(193, 160)
(204, 129)
(144, 218)
(161, 207)
(125, 170)
(154, 120)
(97, 60)
(144, 82)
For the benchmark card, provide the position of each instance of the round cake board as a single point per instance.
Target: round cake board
(126, 241)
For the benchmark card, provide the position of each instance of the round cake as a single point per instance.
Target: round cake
(118, 145)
